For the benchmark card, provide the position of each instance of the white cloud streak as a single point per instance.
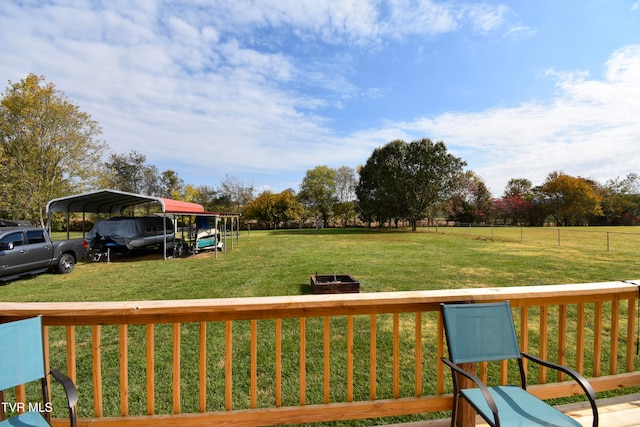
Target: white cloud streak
(204, 87)
(590, 129)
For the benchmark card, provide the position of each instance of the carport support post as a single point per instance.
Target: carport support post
(68, 227)
(217, 242)
(225, 234)
(164, 231)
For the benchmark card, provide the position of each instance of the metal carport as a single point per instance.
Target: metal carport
(113, 202)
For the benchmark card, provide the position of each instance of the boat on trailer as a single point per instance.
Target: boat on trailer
(130, 233)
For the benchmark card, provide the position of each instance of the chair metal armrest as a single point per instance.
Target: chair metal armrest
(482, 386)
(582, 381)
(71, 392)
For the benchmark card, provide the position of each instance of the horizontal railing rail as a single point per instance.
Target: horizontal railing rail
(315, 358)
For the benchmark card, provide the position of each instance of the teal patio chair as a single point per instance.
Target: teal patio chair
(22, 362)
(486, 332)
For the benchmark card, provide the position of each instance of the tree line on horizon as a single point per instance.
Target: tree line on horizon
(49, 148)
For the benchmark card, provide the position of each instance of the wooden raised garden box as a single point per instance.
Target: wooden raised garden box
(334, 284)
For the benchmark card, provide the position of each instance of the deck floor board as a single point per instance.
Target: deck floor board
(623, 411)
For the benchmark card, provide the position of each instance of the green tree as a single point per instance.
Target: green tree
(204, 195)
(570, 200)
(519, 188)
(48, 148)
(128, 172)
(288, 207)
(380, 189)
(406, 180)
(233, 196)
(471, 202)
(621, 200)
(275, 208)
(318, 191)
(170, 183)
(516, 205)
(345, 207)
(262, 208)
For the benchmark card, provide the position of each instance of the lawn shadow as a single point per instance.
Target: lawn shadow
(305, 289)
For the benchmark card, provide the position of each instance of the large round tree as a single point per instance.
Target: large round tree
(48, 148)
(318, 192)
(403, 180)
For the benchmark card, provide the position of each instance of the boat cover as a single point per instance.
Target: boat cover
(132, 232)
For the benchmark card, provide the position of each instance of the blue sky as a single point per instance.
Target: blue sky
(262, 91)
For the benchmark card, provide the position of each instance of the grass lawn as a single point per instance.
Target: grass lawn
(266, 263)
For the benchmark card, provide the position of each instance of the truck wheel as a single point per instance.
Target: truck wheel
(66, 263)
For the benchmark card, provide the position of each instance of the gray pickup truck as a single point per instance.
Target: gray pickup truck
(29, 250)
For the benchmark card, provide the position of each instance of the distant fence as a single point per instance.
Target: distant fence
(589, 239)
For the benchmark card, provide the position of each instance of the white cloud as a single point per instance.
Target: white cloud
(486, 18)
(588, 128)
(520, 32)
(357, 22)
(213, 85)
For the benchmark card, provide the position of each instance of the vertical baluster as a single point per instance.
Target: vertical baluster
(440, 351)
(45, 349)
(504, 372)
(615, 333)
(544, 322)
(597, 340)
(631, 332)
(484, 371)
(253, 392)
(396, 355)
(96, 362)
(327, 358)
(176, 368)
(228, 363)
(562, 339)
(303, 361)
(524, 333)
(150, 349)
(202, 398)
(418, 352)
(278, 363)
(580, 339)
(21, 396)
(124, 371)
(71, 353)
(372, 356)
(349, 358)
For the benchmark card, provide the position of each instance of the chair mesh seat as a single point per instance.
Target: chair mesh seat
(518, 408)
(28, 419)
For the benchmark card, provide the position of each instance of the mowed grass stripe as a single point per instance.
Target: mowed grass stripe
(267, 263)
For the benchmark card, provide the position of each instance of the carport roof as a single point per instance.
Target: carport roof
(114, 202)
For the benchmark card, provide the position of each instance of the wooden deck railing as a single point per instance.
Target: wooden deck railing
(312, 358)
